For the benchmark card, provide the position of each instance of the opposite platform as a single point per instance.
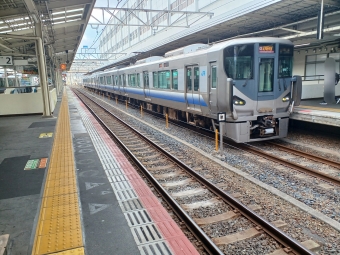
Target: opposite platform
(312, 111)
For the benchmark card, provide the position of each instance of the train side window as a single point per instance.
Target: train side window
(196, 78)
(214, 77)
(116, 79)
(108, 80)
(155, 79)
(146, 79)
(113, 80)
(138, 80)
(164, 79)
(132, 80)
(101, 80)
(174, 79)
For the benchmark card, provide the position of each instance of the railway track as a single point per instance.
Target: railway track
(270, 156)
(167, 173)
(296, 166)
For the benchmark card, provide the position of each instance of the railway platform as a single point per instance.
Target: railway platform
(72, 191)
(310, 110)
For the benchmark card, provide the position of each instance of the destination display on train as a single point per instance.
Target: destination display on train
(266, 49)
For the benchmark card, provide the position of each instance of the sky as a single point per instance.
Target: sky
(91, 34)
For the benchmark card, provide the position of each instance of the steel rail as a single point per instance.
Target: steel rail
(304, 154)
(292, 245)
(292, 165)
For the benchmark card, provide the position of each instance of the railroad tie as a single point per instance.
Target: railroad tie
(189, 192)
(222, 217)
(178, 183)
(167, 175)
(200, 204)
(245, 234)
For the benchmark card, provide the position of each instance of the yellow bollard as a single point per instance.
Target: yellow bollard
(216, 139)
(167, 120)
(141, 110)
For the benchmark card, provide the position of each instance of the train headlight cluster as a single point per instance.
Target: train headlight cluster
(238, 101)
(286, 98)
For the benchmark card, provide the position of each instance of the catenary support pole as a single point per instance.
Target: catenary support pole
(42, 71)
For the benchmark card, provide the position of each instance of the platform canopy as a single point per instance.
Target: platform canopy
(63, 24)
(296, 20)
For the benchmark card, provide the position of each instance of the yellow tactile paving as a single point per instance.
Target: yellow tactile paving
(60, 200)
(54, 225)
(59, 227)
(78, 251)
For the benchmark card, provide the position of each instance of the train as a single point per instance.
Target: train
(244, 85)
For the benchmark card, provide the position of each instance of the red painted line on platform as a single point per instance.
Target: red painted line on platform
(175, 237)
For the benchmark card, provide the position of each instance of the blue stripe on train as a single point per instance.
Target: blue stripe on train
(170, 96)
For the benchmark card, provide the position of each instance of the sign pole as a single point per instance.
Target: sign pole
(221, 136)
(221, 121)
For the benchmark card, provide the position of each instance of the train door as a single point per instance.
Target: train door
(124, 84)
(117, 84)
(113, 83)
(213, 87)
(265, 94)
(146, 85)
(192, 87)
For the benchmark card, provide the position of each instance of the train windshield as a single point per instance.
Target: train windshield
(238, 61)
(285, 60)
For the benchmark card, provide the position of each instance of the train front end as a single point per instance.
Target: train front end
(260, 96)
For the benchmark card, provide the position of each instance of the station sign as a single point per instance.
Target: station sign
(6, 61)
(63, 66)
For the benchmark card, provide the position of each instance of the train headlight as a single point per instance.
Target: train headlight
(238, 101)
(286, 98)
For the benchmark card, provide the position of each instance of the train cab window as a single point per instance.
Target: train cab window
(138, 80)
(238, 61)
(146, 79)
(285, 60)
(213, 77)
(108, 80)
(174, 74)
(196, 78)
(189, 80)
(155, 79)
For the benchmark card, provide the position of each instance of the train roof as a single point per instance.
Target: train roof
(222, 45)
(204, 50)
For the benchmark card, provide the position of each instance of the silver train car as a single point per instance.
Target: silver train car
(249, 79)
